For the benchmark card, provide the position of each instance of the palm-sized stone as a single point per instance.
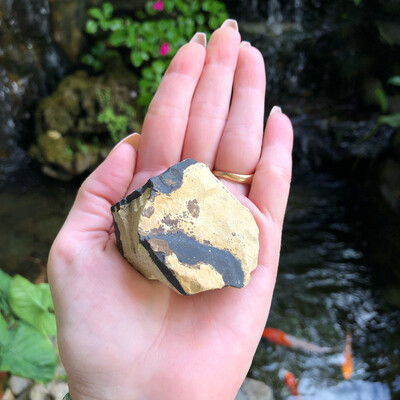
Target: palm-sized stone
(185, 229)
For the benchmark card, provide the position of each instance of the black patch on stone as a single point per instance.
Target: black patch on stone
(118, 237)
(189, 251)
(160, 262)
(166, 183)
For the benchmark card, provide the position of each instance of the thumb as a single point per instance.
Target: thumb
(90, 216)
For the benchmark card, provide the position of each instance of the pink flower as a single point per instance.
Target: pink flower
(165, 48)
(158, 5)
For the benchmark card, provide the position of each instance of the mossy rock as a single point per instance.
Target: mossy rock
(69, 137)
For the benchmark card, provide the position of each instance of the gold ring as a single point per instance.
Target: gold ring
(234, 177)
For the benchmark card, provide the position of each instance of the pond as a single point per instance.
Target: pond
(325, 289)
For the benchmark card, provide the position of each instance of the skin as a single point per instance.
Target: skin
(124, 337)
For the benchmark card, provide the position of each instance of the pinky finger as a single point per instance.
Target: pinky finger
(271, 182)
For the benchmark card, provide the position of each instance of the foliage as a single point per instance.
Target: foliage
(33, 304)
(118, 116)
(393, 120)
(151, 39)
(27, 324)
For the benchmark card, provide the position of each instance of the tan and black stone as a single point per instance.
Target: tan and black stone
(187, 230)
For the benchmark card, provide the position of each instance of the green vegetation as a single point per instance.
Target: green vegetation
(118, 116)
(392, 119)
(27, 327)
(150, 39)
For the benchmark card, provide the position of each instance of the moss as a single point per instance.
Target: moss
(70, 137)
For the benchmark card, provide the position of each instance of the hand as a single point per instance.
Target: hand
(122, 336)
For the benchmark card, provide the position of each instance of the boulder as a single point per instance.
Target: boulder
(71, 138)
(253, 389)
(185, 229)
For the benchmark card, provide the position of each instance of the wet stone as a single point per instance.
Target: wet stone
(185, 229)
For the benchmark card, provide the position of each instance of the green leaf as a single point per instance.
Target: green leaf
(149, 8)
(95, 13)
(393, 120)
(33, 304)
(394, 80)
(169, 6)
(118, 38)
(116, 24)
(5, 283)
(108, 10)
(158, 67)
(200, 19)
(91, 26)
(382, 99)
(25, 352)
(136, 58)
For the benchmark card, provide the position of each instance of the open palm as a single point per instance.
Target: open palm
(122, 336)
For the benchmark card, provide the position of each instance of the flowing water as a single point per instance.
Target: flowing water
(326, 288)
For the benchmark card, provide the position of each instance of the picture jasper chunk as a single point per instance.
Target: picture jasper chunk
(185, 229)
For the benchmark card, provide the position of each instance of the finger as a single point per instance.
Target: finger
(90, 215)
(210, 105)
(240, 146)
(271, 182)
(166, 120)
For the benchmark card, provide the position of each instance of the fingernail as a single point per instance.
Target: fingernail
(133, 139)
(275, 110)
(245, 43)
(199, 38)
(231, 23)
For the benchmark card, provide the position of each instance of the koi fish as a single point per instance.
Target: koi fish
(281, 338)
(347, 364)
(291, 383)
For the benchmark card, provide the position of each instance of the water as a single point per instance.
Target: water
(325, 288)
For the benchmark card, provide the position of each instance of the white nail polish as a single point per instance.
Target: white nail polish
(200, 38)
(231, 23)
(275, 110)
(133, 139)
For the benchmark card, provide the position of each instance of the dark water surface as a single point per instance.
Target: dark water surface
(32, 211)
(326, 287)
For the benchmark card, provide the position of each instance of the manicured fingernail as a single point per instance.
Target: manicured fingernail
(199, 38)
(275, 110)
(133, 139)
(231, 23)
(245, 43)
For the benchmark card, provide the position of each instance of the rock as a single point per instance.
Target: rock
(254, 390)
(18, 384)
(389, 31)
(68, 20)
(390, 183)
(70, 139)
(31, 64)
(8, 395)
(185, 229)
(38, 392)
(58, 390)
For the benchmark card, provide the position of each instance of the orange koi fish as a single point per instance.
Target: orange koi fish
(281, 338)
(291, 383)
(347, 364)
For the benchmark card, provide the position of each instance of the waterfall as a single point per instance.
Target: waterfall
(275, 14)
